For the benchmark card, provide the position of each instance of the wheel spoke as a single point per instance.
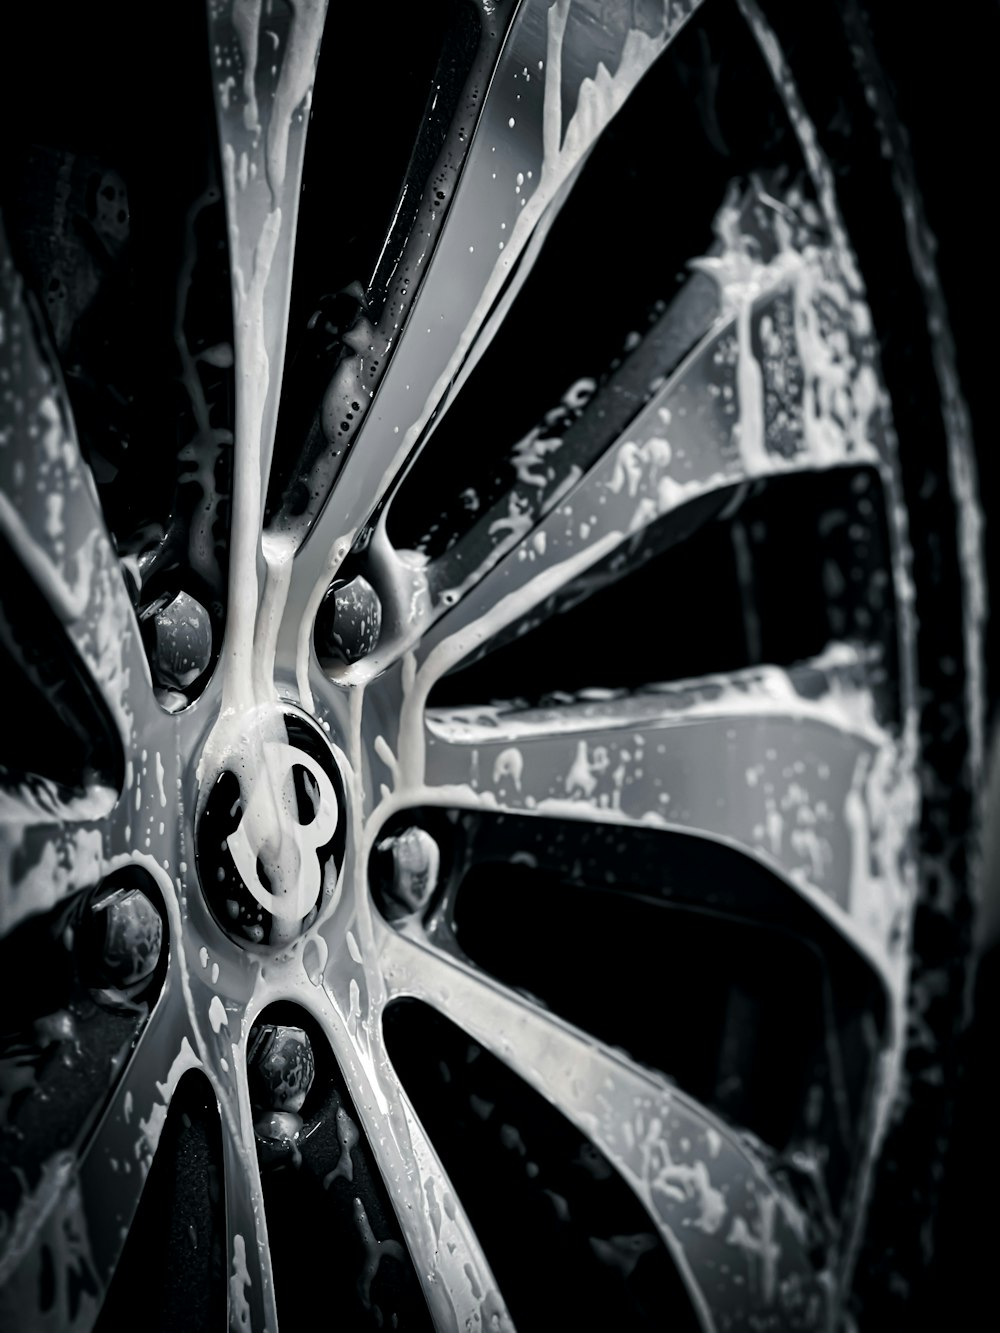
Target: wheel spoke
(762, 394)
(116, 1162)
(738, 1241)
(789, 766)
(454, 1273)
(250, 1283)
(44, 861)
(85, 1201)
(50, 516)
(523, 158)
(264, 65)
(60, 1229)
(52, 846)
(464, 1290)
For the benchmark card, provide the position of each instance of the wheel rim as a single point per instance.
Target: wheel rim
(342, 895)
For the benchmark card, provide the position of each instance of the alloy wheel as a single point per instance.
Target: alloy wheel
(404, 824)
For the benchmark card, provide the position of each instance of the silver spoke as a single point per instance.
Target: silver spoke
(738, 1241)
(250, 1286)
(57, 1224)
(763, 394)
(50, 514)
(263, 69)
(52, 846)
(116, 1162)
(84, 1202)
(523, 157)
(48, 851)
(250, 1295)
(465, 1289)
(453, 1270)
(790, 766)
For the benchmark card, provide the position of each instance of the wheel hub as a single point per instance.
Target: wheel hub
(270, 836)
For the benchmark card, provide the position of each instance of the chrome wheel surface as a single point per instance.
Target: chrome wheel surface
(472, 830)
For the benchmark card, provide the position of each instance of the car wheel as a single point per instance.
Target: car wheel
(494, 590)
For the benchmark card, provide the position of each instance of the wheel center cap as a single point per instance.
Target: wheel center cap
(270, 838)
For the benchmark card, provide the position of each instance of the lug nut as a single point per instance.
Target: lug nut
(415, 862)
(122, 935)
(349, 621)
(281, 1067)
(178, 633)
(278, 1126)
(278, 1135)
(281, 1070)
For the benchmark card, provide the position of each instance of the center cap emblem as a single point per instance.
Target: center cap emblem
(271, 838)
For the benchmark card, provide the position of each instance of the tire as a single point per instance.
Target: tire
(488, 837)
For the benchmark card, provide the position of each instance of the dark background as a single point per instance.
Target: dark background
(941, 64)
